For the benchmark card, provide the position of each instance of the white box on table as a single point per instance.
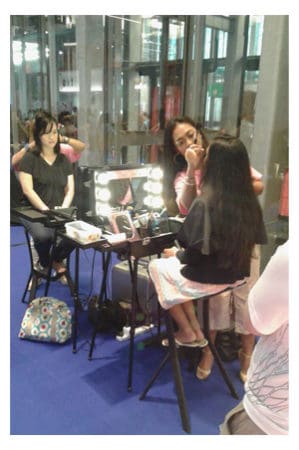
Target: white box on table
(83, 231)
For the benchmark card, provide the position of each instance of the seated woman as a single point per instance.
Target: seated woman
(47, 181)
(218, 235)
(184, 149)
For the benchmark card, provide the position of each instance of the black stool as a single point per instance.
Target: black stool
(172, 354)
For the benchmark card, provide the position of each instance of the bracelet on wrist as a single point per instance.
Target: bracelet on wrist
(189, 178)
(27, 147)
(189, 182)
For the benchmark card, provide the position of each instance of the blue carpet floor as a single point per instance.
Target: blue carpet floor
(56, 392)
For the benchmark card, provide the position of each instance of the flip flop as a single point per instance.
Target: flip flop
(202, 343)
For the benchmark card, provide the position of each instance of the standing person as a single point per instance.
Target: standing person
(47, 180)
(218, 235)
(181, 179)
(264, 408)
(184, 150)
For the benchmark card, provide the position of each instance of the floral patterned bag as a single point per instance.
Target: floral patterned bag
(47, 319)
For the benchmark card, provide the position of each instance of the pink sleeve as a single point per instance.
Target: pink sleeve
(70, 153)
(178, 187)
(255, 174)
(268, 299)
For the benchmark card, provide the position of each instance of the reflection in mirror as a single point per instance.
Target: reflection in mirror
(120, 192)
(126, 188)
(121, 222)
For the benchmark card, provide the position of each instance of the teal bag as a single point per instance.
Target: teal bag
(47, 319)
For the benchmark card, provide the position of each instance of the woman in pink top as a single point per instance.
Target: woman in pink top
(181, 177)
(185, 146)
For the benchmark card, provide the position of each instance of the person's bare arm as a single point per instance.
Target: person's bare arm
(247, 324)
(27, 188)
(194, 156)
(19, 155)
(77, 145)
(69, 192)
(258, 186)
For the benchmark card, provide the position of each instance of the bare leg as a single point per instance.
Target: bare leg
(59, 267)
(185, 332)
(247, 342)
(206, 363)
(189, 311)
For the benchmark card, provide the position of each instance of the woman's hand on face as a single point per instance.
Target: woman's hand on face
(194, 156)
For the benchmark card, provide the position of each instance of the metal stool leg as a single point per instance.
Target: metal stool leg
(93, 338)
(155, 376)
(33, 287)
(173, 355)
(177, 374)
(77, 307)
(26, 289)
(31, 275)
(103, 295)
(133, 272)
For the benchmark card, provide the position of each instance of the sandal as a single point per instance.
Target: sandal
(203, 374)
(63, 280)
(39, 282)
(202, 343)
(58, 267)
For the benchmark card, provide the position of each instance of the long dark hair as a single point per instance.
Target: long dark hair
(173, 162)
(43, 123)
(234, 208)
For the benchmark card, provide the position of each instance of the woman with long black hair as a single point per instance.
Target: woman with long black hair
(218, 236)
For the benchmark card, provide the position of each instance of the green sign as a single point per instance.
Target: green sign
(215, 90)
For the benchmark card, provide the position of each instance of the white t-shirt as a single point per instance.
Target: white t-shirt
(266, 399)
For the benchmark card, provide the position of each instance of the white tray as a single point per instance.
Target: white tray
(83, 231)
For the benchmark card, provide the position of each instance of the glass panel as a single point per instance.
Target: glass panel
(255, 34)
(66, 73)
(29, 53)
(101, 76)
(151, 39)
(214, 96)
(215, 43)
(222, 44)
(137, 94)
(176, 39)
(208, 43)
(248, 107)
(104, 78)
(250, 90)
